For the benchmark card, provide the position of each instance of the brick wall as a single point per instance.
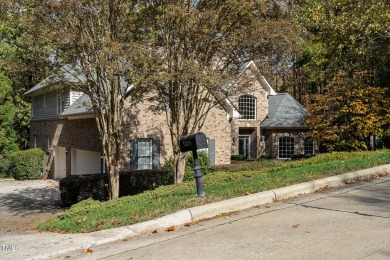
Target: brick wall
(241, 126)
(272, 140)
(141, 122)
(77, 134)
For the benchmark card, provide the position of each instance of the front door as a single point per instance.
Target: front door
(59, 162)
(243, 146)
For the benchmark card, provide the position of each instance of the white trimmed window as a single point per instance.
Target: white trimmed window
(145, 152)
(286, 147)
(309, 146)
(247, 107)
(60, 101)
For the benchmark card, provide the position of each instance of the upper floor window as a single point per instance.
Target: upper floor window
(247, 107)
(286, 147)
(60, 101)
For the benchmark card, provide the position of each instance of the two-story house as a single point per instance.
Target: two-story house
(254, 123)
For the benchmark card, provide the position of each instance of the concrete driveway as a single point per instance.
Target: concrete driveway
(23, 204)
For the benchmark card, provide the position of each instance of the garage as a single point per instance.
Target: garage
(85, 162)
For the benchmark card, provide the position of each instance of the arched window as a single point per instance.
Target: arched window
(286, 147)
(247, 107)
(308, 146)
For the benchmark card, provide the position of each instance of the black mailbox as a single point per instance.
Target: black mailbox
(193, 142)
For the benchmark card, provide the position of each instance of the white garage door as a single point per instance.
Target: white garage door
(85, 162)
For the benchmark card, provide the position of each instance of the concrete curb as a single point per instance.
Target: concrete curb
(334, 181)
(235, 204)
(207, 211)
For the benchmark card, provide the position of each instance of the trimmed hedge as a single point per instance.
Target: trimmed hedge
(76, 188)
(27, 164)
(301, 156)
(238, 157)
(247, 166)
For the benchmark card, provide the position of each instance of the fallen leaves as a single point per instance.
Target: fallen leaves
(171, 228)
(371, 177)
(325, 188)
(89, 251)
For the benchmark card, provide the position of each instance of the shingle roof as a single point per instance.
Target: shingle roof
(82, 106)
(66, 73)
(69, 74)
(284, 112)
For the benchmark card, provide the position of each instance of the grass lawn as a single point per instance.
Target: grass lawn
(90, 215)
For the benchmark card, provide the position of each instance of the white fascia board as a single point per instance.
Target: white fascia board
(264, 83)
(268, 87)
(233, 113)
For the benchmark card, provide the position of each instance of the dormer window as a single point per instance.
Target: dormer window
(247, 107)
(60, 101)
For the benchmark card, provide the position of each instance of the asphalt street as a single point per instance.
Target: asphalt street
(352, 222)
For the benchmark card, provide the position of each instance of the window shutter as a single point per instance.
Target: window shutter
(212, 151)
(133, 155)
(156, 155)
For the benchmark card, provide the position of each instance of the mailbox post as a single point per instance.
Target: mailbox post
(193, 143)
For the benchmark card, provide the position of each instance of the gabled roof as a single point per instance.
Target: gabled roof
(251, 66)
(284, 112)
(66, 73)
(71, 74)
(81, 107)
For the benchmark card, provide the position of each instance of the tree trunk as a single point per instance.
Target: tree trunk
(113, 177)
(179, 166)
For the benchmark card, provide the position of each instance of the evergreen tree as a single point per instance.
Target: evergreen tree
(7, 112)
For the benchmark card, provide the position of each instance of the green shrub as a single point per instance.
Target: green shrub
(238, 157)
(167, 168)
(189, 166)
(76, 188)
(4, 168)
(27, 164)
(204, 161)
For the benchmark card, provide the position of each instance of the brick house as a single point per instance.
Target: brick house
(268, 124)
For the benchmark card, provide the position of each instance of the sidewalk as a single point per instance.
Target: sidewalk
(50, 245)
